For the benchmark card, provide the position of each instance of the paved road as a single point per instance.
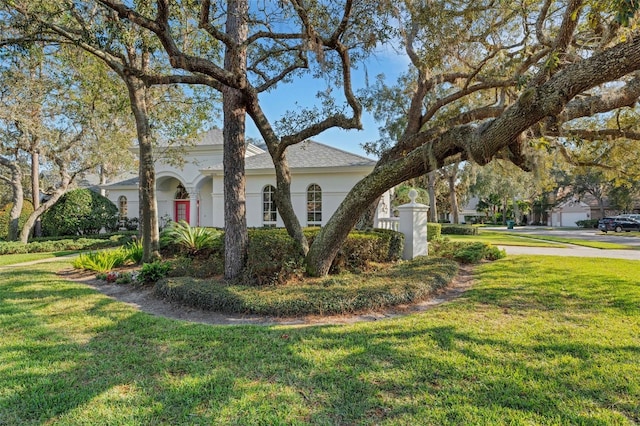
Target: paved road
(630, 239)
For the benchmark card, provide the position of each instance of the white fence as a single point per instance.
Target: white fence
(388, 223)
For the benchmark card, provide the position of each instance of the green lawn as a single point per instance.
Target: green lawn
(514, 239)
(579, 242)
(538, 340)
(503, 239)
(11, 259)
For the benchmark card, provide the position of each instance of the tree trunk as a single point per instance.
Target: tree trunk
(601, 206)
(285, 207)
(17, 198)
(433, 208)
(234, 109)
(103, 180)
(453, 198)
(150, 232)
(33, 217)
(35, 189)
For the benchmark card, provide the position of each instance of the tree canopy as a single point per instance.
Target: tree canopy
(486, 79)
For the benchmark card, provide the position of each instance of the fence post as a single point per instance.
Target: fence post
(413, 224)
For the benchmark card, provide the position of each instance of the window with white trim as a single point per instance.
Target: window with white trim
(269, 210)
(122, 206)
(314, 205)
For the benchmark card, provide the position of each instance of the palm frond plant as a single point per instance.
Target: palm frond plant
(189, 239)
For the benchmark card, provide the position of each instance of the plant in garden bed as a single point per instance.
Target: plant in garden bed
(465, 252)
(378, 288)
(189, 239)
(100, 261)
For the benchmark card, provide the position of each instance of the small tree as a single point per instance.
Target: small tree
(80, 212)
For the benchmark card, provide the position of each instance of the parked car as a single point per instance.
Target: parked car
(634, 216)
(618, 224)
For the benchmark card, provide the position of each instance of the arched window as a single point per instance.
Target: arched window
(269, 211)
(314, 205)
(122, 206)
(181, 193)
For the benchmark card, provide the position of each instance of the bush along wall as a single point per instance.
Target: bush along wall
(275, 258)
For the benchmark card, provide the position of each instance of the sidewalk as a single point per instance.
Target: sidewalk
(573, 251)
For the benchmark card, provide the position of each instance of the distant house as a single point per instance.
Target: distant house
(569, 212)
(321, 178)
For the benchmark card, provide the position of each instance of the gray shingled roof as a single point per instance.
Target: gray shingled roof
(302, 155)
(133, 181)
(212, 137)
(307, 154)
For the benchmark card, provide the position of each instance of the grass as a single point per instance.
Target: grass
(11, 259)
(538, 340)
(502, 239)
(514, 239)
(580, 242)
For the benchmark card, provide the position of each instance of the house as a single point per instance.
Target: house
(321, 177)
(569, 212)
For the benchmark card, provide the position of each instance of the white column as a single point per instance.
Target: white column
(413, 224)
(193, 206)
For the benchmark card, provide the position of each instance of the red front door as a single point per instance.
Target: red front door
(181, 210)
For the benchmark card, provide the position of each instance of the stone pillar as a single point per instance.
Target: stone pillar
(193, 207)
(413, 224)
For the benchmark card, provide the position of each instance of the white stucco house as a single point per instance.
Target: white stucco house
(568, 213)
(321, 178)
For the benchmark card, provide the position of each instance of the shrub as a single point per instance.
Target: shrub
(42, 245)
(191, 240)
(406, 282)
(274, 257)
(80, 212)
(152, 272)
(465, 252)
(395, 241)
(459, 230)
(196, 267)
(131, 224)
(101, 261)
(434, 231)
(589, 223)
(358, 250)
(134, 251)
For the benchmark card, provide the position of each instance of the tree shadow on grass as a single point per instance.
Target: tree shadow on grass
(437, 368)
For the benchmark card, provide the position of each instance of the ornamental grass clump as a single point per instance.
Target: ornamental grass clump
(101, 261)
(189, 239)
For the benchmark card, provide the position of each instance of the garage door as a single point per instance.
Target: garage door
(570, 219)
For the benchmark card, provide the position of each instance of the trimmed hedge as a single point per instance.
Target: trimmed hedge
(459, 230)
(589, 223)
(464, 251)
(49, 245)
(275, 258)
(434, 231)
(407, 282)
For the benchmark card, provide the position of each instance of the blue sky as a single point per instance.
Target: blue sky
(303, 92)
